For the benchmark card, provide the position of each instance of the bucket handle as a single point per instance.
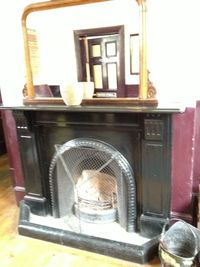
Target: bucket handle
(177, 219)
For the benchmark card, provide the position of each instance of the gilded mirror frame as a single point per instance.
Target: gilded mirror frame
(54, 4)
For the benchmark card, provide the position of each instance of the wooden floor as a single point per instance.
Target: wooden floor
(20, 251)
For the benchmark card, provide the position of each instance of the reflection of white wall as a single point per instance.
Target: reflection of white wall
(173, 45)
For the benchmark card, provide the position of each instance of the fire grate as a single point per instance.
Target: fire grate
(96, 193)
(93, 181)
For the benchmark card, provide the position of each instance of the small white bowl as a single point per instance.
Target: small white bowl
(72, 94)
(88, 88)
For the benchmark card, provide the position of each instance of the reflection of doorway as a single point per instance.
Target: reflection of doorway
(100, 58)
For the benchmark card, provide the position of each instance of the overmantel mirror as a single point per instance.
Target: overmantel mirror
(69, 41)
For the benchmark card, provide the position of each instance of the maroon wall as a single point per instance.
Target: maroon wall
(196, 168)
(185, 163)
(9, 127)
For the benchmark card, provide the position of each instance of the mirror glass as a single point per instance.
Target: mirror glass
(51, 38)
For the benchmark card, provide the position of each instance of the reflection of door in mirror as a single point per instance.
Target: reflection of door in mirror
(104, 64)
(100, 58)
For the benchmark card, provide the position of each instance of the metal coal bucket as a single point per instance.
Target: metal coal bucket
(179, 245)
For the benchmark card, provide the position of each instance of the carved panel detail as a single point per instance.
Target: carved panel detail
(21, 121)
(154, 129)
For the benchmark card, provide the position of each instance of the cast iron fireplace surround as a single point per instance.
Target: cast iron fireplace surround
(141, 135)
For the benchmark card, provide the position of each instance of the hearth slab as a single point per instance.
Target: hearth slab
(130, 252)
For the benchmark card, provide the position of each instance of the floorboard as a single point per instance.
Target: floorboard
(20, 251)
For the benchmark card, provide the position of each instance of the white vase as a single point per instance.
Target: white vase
(72, 94)
(88, 88)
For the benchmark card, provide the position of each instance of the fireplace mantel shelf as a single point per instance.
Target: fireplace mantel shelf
(95, 108)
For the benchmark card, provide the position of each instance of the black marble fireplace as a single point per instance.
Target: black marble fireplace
(96, 178)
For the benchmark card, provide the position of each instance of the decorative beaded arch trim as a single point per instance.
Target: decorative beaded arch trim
(119, 160)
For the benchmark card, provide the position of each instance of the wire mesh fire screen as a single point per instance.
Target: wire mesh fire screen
(93, 188)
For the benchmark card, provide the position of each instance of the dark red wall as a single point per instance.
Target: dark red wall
(12, 146)
(185, 162)
(196, 168)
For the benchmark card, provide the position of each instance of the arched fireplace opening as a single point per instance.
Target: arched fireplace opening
(91, 182)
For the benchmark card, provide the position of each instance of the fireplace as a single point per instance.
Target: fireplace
(94, 183)
(96, 178)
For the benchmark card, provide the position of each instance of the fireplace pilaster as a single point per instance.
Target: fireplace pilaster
(34, 197)
(156, 168)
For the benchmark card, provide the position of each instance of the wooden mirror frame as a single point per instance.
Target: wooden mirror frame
(54, 4)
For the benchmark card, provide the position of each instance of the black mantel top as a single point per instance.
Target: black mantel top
(99, 108)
